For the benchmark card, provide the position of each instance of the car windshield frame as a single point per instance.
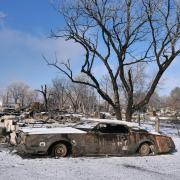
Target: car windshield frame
(110, 126)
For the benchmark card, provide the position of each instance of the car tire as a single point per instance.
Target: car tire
(60, 150)
(144, 149)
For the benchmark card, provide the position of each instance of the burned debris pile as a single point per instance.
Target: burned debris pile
(11, 124)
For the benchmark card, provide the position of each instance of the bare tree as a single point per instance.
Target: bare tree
(19, 92)
(1, 97)
(58, 98)
(107, 88)
(120, 35)
(155, 101)
(45, 95)
(5, 96)
(81, 97)
(73, 95)
(174, 99)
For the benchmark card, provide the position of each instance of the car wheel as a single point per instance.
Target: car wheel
(144, 149)
(59, 150)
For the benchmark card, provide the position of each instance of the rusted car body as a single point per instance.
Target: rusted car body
(93, 137)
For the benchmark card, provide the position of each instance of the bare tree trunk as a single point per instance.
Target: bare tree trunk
(117, 110)
(117, 105)
(129, 109)
(129, 114)
(75, 108)
(46, 103)
(44, 93)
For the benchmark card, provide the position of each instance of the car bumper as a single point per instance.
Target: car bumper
(22, 149)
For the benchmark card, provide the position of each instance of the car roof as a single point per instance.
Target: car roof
(112, 121)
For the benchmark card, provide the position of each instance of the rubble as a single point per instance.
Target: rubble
(2, 139)
(11, 124)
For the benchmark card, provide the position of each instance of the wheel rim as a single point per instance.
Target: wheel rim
(144, 150)
(60, 150)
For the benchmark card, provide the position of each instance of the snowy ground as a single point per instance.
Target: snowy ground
(165, 167)
(13, 167)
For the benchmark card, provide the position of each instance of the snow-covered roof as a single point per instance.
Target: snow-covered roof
(58, 130)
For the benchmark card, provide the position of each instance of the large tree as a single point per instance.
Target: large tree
(121, 35)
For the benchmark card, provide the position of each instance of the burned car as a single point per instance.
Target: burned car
(93, 137)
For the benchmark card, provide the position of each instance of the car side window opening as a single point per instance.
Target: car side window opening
(112, 128)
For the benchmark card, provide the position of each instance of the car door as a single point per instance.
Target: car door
(123, 143)
(107, 143)
(113, 139)
(91, 143)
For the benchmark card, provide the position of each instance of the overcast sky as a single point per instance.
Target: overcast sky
(24, 29)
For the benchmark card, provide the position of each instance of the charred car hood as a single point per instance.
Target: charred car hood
(58, 130)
